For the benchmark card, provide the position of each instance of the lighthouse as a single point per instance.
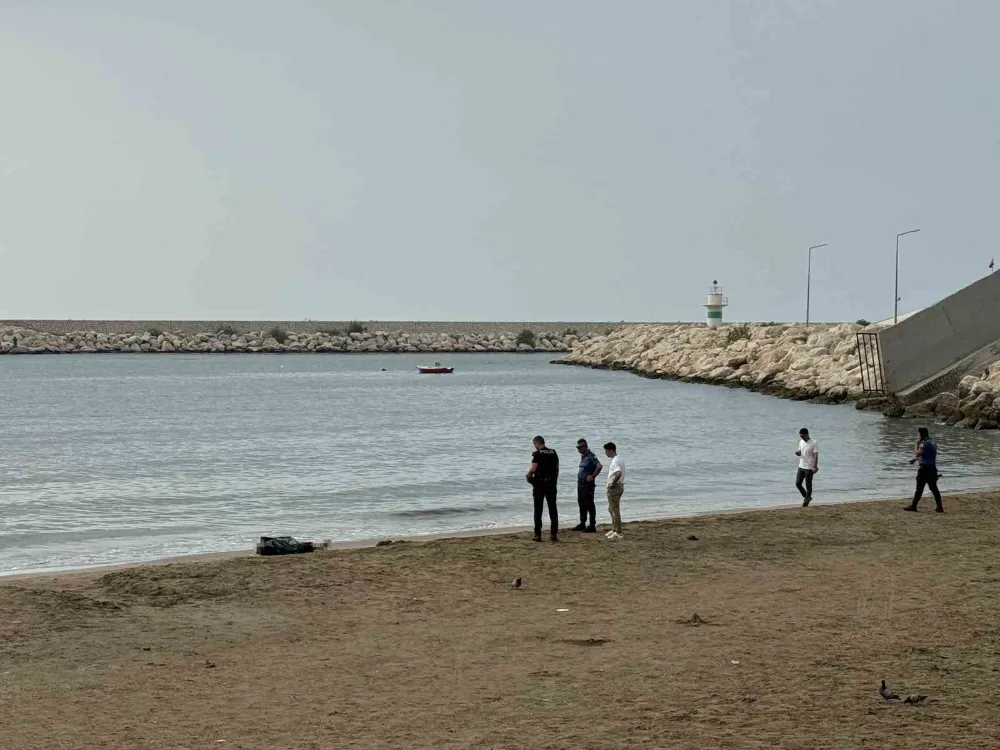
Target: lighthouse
(716, 301)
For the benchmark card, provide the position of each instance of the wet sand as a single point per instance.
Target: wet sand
(426, 644)
(249, 552)
(358, 544)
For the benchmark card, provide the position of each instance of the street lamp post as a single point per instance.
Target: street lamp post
(809, 269)
(895, 301)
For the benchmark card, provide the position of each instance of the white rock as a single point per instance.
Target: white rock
(789, 355)
(965, 385)
(720, 373)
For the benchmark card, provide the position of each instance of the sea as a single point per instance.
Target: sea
(121, 458)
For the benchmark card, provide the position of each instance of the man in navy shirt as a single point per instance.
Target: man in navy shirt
(590, 467)
(927, 473)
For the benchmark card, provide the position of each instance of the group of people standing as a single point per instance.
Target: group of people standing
(543, 476)
(925, 456)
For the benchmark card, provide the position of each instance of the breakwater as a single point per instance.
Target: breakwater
(974, 403)
(353, 337)
(819, 363)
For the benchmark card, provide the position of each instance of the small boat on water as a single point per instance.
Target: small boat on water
(435, 369)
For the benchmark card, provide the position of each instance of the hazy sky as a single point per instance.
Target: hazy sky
(493, 159)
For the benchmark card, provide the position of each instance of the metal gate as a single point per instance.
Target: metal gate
(870, 357)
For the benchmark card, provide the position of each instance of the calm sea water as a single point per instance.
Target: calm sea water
(122, 458)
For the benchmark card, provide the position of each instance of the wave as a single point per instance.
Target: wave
(440, 511)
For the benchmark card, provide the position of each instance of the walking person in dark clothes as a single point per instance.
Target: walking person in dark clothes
(590, 467)
(927, 473)
(543, 476)
(808, 454)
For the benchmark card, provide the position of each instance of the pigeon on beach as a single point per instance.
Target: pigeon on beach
(915, 699)
(517, 583)
(886, 692)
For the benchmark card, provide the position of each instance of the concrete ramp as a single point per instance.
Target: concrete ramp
(958, 334)
(948, 379)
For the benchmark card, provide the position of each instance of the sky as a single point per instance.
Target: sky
(486, 160)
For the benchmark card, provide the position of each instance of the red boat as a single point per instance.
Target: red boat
(435, 369)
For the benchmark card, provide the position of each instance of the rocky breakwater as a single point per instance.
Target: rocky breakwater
(819, 363)
(975, 403)
(16, 340)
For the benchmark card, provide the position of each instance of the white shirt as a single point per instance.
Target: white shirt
(617, 465)
(810, 451)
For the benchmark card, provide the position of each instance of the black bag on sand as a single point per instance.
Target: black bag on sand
(282, 545)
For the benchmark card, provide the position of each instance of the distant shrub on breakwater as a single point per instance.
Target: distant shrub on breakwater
(737, 332)
(278, 334)
(355, 327)
(526, 336)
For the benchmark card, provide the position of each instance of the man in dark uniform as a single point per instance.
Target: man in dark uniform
(542, 476)
(927, 473)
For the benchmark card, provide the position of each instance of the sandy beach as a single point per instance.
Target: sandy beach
(426, 644)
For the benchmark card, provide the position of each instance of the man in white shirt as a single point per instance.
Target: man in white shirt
(616, 486)
(808, 454)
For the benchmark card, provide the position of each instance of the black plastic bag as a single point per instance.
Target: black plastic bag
(282, 545)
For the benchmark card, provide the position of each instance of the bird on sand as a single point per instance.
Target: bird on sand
(915, 699)
(516, 583)
(886, 692)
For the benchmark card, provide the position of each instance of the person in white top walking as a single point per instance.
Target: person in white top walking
(808, 454)
(616, 486)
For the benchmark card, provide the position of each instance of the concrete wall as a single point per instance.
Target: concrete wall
(948, 380)
(939, 336)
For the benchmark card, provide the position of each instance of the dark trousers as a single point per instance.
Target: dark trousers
(927, 476)
(806, 476)
(585, 499)
(545, 492)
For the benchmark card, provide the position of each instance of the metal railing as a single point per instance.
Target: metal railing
(870, 357)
